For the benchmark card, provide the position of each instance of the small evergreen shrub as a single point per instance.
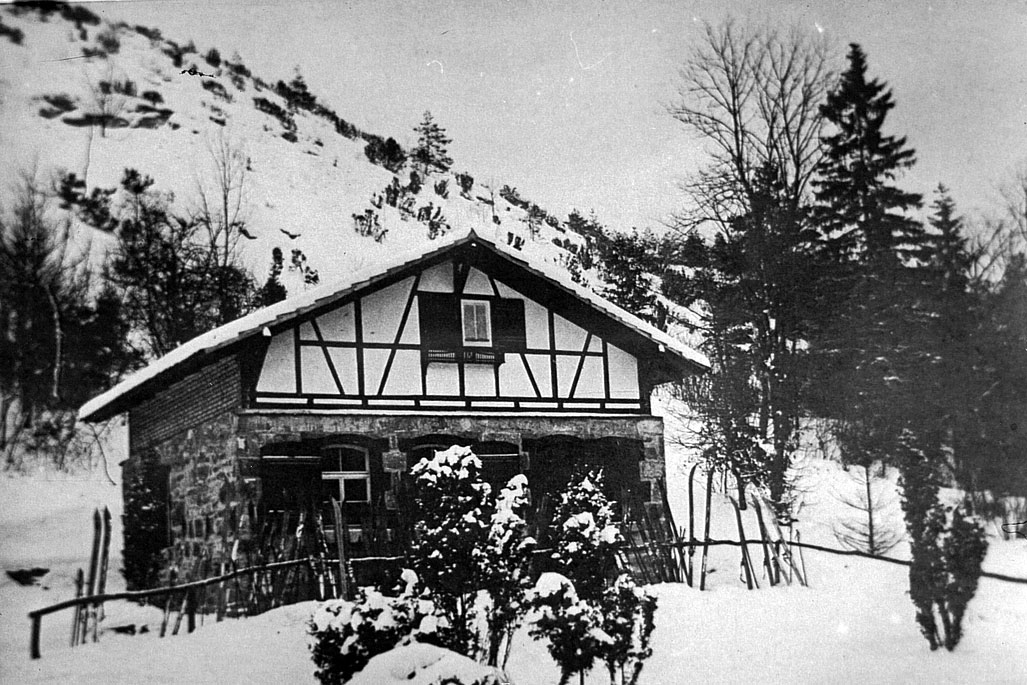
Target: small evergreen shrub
(584, 536)
(213, 58)
(386, 153)
(12, 33)
(108, 41)
(348, 634)
(570, 626)
(467, 542)
(466, 183)
(153, 97)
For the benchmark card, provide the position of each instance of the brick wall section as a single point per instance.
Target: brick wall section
(187, 403)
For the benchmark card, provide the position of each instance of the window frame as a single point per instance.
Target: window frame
(340, 477)
(475, 302)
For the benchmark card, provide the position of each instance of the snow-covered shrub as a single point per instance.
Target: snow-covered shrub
(472, 552)
(628, 612)
(572, 626)
(454, 509)
(506, 569)
(615, 628)
(348, 634)
(584, 536)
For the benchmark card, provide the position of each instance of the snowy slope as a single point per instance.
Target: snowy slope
(311, 187)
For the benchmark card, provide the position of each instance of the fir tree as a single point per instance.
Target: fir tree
(430, 153)
(273, 291)
(862, 211)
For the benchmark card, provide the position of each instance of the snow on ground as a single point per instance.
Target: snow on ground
(853, 624)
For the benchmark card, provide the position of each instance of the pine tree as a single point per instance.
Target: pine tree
(430, 154)
(862, 211)
(273, 291)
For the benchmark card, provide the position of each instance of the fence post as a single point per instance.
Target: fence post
(37, 621)
(190, 598)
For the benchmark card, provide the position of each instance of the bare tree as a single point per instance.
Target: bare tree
(1004, 234)
(753, 94)
(871, 532)
(105, 100)
(221, 195)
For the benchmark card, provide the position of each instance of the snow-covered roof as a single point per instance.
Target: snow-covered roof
(319, 296)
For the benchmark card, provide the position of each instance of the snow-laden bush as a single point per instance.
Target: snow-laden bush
(466, 543)
(454, 508)
(348, 634)
(571, 626)
(614, 629)
(505, 561)
(584, 536)
(628, 612)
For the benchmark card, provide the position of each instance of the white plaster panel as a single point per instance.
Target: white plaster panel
(316, 375)
(382, 311)
(412, 331)
(590, 384)
(338, 325)
(405, 374)
(566, 366)
(513, 378)
(278, 374)
(477, 283)
(442, 379)
(437, 279)
(480, 379)
(345, 361)
(596, 345)
(507, 291)
(539, 364)
(623, 373)
(536, 325)
(307, 331)
(569, 336)
(374, 366)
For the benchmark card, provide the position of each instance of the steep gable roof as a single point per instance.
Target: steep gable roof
(118, 398)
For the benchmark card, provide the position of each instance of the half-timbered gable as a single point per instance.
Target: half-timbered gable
(336, 393)
(459, 334)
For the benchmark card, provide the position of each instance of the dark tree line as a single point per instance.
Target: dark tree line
(823, 294)
(71, 331)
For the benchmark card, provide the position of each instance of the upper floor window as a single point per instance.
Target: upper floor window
(472, 329)
(476, 322)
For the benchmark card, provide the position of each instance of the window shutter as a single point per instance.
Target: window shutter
(440, 320)
(508, 324)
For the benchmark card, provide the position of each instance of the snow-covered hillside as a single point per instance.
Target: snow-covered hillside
(308, 181)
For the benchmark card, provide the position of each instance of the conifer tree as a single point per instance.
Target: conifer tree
(430, 154)
(890, 357)
(863, 212)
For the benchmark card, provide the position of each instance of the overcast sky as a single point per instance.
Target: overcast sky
(566, 100)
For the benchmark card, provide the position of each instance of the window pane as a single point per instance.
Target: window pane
(476, 322)
(355, 489)
(468, 321)
(344, 459)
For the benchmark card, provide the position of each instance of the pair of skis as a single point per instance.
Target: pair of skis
(87, 618)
